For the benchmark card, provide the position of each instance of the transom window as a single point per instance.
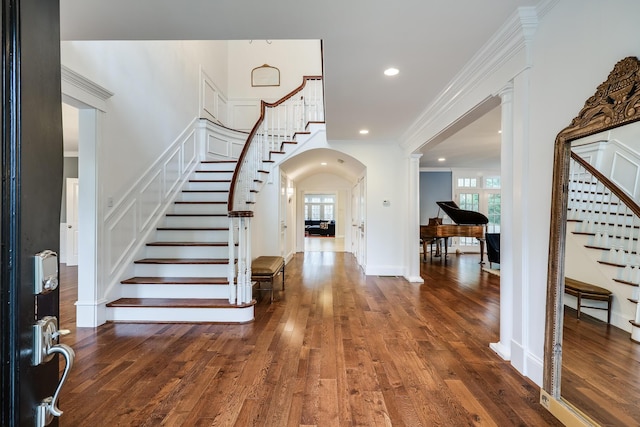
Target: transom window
(319, 207)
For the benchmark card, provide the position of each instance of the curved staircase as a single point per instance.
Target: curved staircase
(198, 267)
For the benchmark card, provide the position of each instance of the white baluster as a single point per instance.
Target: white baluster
(231, 266)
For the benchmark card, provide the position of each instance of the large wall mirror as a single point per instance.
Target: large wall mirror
(592, 344)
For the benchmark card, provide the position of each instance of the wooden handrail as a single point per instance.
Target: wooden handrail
(624, 197)
(254, 130)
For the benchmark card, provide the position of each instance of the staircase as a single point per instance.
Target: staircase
(198, 267)
(607, 221)
(184, 274)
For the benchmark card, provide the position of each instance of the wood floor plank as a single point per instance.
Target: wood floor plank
(336, 349)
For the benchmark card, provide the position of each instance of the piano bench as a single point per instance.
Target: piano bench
(265, 269)
(430, 241)
(582, 290)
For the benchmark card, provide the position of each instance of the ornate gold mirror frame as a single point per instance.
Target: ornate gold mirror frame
(615, 103)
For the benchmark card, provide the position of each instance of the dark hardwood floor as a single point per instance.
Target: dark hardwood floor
(336, 349)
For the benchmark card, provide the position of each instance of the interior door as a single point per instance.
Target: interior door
(72, 221)
(32, 161)
(283, 215)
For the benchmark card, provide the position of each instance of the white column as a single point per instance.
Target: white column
(412, 252)
(503, 347)
(90, 307)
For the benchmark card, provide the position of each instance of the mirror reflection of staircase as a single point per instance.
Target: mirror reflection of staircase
(605, 221)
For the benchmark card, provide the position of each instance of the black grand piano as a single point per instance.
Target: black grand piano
(467, 224)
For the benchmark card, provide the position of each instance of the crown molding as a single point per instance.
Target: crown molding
(513, 37)
(80, 87)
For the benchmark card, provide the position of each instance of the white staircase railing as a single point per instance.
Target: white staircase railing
(278, 124)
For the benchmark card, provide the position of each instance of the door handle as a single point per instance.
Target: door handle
(48, 408)
(45, 332)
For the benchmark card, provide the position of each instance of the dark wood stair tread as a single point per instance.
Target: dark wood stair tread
(176, 303)
(203, 202)
(197, 214)
(176, 281)
(193, 228)
(182, 261)
(217, 244)
(205, 191)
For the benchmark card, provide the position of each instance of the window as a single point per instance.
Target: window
(467, 182)
(319, 207)
(493, 201)
(469, 202)
(480, 193)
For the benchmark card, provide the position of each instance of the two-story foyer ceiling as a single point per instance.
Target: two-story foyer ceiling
(429, 41)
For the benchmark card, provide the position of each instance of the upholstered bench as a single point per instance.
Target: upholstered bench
(582, 290)
(265, 269)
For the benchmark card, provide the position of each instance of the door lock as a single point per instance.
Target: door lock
(45, 333)
(46, 272)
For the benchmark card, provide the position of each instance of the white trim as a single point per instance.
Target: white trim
(510, 39)
(79, 87)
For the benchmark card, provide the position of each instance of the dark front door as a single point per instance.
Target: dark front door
(32, 157)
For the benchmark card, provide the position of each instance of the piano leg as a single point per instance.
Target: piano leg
(481, 240)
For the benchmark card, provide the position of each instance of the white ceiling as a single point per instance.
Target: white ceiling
(427, 40)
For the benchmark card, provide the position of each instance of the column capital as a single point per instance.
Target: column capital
(506, 93)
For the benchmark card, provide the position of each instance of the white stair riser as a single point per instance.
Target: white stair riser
(192, 235)
(187, 252)
(200, 185)
(204, 196)
(159, 314)
(181, 270)
(226, 174)
(199, 208)
(217, 166)
(175, 291)
(196, 221)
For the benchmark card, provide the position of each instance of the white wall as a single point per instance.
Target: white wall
(156, 86)
(294, 59)
(387, 179)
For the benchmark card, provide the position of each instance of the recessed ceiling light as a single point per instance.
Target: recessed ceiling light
(323, 164)
(500, 131)
(364, 131)
(391, 71)
(441, 159)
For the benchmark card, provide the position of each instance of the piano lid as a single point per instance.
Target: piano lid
(462, 216)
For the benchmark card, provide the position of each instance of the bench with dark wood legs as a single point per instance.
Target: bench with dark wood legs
(264, 269)
(582, 290)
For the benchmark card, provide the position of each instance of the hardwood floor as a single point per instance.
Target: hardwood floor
(336, 349)
(600, 370)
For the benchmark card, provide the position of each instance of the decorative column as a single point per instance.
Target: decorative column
(503, 347)
(412, 253)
